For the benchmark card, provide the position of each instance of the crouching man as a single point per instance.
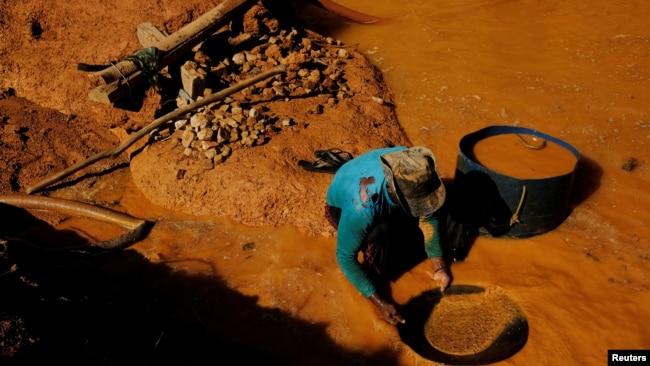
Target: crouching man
(375, 201)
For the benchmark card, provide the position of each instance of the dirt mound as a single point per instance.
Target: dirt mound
(38, 141)
(347, 106)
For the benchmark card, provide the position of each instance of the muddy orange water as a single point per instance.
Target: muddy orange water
(507, 154)
(577, 70)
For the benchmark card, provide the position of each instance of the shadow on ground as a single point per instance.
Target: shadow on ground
(118, 308)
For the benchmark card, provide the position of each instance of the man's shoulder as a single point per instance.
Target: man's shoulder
(364, 169)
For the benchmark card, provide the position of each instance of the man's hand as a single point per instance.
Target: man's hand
(442, 277)
(386, 310)
(441, 272)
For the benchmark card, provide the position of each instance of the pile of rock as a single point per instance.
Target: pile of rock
(314, 65)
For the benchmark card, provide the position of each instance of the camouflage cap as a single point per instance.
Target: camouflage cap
(412, 175)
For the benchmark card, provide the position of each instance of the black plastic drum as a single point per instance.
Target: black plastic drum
(506, 205)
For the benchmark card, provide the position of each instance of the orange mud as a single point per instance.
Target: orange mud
(576, 70)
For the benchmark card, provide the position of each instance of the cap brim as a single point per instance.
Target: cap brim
(419, 206)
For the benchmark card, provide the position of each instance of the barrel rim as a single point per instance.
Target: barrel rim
(468, 141)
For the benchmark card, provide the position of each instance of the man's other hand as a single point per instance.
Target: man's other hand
(387, 310)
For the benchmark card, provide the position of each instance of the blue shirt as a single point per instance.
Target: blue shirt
(359, 190)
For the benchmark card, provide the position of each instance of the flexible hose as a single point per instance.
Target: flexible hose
(138, 228)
